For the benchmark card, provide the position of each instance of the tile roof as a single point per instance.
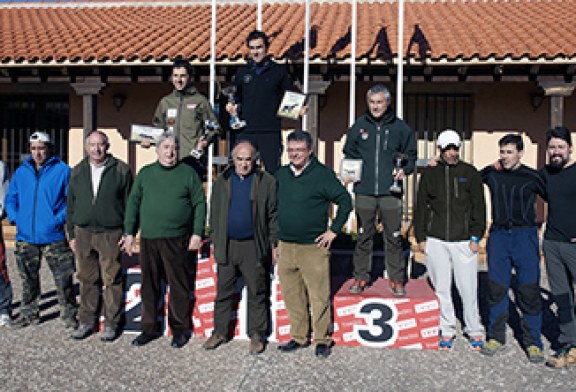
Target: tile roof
(448, 31)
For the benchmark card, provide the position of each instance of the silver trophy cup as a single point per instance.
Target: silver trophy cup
(395, 188)
(235, 121)
(209, 125)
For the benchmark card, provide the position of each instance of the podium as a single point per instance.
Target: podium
(374, 318)
(377, 318)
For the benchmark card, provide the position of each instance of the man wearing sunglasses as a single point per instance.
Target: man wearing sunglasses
(449, 221)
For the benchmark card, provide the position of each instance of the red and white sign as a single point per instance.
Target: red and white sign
(374, 318)
(377, 318)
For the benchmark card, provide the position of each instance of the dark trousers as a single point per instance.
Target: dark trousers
(170, 260)
(561, 270)
(390, 208)
(268, 145)
(60, 259)
(516, 248)
(5, 285)
(98, 262)
(242, 261)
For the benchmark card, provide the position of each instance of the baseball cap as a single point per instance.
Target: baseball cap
(448, 137)
(40, 137)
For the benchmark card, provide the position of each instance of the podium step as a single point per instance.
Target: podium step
(377, 318)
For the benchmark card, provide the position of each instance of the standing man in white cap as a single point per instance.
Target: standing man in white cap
(449, 221)
(36, 203)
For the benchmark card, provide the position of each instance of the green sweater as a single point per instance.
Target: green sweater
(304, 202)
(166, 202)
(105, 212)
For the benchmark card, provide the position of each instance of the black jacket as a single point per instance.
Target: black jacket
(263, 195)
(450, 203)
(377, 143)
(260, 95)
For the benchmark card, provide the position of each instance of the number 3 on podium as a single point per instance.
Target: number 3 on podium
(380, 317)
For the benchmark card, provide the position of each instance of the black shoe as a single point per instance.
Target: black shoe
(292, 345)
(322, 350)
(144, 339)
(178, 341)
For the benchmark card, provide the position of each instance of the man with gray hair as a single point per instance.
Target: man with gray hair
(36, 203)
(97, 196)
(167, 203)
(244, 231)
(380, 139)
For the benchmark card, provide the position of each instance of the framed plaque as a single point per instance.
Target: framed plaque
(351, 169)
(291, 104)
(139, 133)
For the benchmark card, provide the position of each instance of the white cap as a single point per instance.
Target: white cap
(448, 137)
(40, 137)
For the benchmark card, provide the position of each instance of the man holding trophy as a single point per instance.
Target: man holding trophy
(259, 88)
(188, 114)
(386, 147)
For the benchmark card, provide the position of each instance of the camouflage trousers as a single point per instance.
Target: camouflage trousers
(60, 259)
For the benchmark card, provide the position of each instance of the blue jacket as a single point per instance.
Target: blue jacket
(36, 201)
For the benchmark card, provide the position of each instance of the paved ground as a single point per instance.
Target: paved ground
(43, 358)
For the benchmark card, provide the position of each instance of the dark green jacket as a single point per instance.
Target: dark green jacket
(263, 196)
(105, 212)
(192, 110)
(166, 202)
(304, 202)
(450, 203)
(376, 143)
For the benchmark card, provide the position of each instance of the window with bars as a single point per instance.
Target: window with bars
(22, 115)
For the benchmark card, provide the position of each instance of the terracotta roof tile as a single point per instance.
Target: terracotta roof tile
(444, 30)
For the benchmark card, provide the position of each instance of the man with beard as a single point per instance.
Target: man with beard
(560, 239)
(449, 221)
(186, 112)
(377, 138)
(513, 244)
(260, 85)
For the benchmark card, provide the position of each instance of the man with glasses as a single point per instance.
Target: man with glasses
(260, 85)
(306, 190)
(36, 203)
(449, 222)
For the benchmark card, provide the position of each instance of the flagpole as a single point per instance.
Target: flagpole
(259, 15)
(212, 95)
(352, 97)
(400, 62)
(306, 60)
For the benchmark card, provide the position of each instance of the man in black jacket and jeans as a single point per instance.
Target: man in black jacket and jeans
(377, 138)
(260, 86)
(244, 231)
(97, 196)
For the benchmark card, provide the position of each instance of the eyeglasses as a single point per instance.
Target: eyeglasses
(297, 150)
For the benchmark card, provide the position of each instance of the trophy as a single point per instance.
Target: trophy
(398, 160)
(209, 125)
(235, 122)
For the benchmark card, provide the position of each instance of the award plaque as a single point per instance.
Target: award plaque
(291, 104)
(351, 169)
(139, 133)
